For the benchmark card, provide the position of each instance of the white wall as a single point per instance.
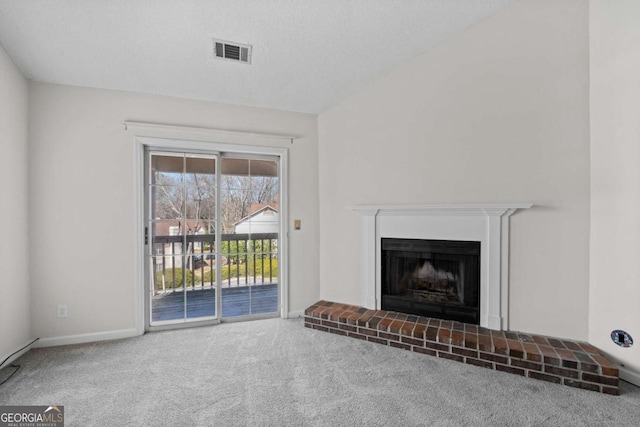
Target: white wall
(615, 179)
(15, 324)
(82, 201)
(500, 114)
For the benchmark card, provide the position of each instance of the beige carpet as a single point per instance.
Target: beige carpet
(277, 373)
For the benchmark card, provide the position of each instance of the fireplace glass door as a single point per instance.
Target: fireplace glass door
(433, 278)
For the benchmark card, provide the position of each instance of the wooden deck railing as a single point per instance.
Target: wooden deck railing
(190, 261)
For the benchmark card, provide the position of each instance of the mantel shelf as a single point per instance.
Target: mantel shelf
(487, 209)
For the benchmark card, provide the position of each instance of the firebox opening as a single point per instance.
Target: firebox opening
(433, 278)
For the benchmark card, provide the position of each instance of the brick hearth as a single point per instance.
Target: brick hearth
(571, 363)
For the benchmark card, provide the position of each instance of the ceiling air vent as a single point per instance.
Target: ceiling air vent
(232, 51)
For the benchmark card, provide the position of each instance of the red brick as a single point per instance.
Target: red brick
(580, 384)
(401, 317)
(364, 319)
(568, 359)
(431, 334)
(425, 351)
(436, 346)
(561, 357)
(369, 332)
(589, 348)
(606, 367)
(586, 362)
(418, 331)
(549, 355)
(352, 319)
(329, 324)
(423, 320)
(348, 328)
(457, 326)
(400, 345)
(532, 352)
(555, 343)
(510, 369)
(561, 371)
(500, 346)
(484, 343)
(598, 379)
(457, 338)
(515, 349)
(540, 340)
(526, 365)
(472, 329)
(325, 314)
(342, 317)
(470, 340)
(525, 338)
(446, 324)
(389, 315)
(511, 336)
(478, 362)
(358, 336)
(413, 341)
(544, 377)
(395, 326)
(335, 315)
(494, 358)
(450, 356)
(388, 336)
(444, 336)
(373, 322)
(571, 345)
(383, 325)
(407, 329)
(434, 323)
(378, 340)
(484, 331)
(464, 352)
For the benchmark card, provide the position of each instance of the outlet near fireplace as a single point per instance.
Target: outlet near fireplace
(432, 278)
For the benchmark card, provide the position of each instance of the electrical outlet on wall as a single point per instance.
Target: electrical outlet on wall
(62, 310)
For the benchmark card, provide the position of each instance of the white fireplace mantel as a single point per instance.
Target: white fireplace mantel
(484, 223)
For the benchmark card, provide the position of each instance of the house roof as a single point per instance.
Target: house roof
(260, 206)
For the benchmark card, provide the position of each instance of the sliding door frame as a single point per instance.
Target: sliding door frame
(243, 144)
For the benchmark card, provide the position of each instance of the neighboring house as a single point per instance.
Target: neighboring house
(171, 248)
(263, 219)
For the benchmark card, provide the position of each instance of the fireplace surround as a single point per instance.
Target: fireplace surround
(487, 224)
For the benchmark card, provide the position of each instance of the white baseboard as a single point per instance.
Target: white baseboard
(629, 376)
(84, 338)
(295, 314)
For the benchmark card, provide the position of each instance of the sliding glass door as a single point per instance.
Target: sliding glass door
(212, 224)
(250, 222)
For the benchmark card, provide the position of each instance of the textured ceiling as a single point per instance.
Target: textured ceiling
(307, 55)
